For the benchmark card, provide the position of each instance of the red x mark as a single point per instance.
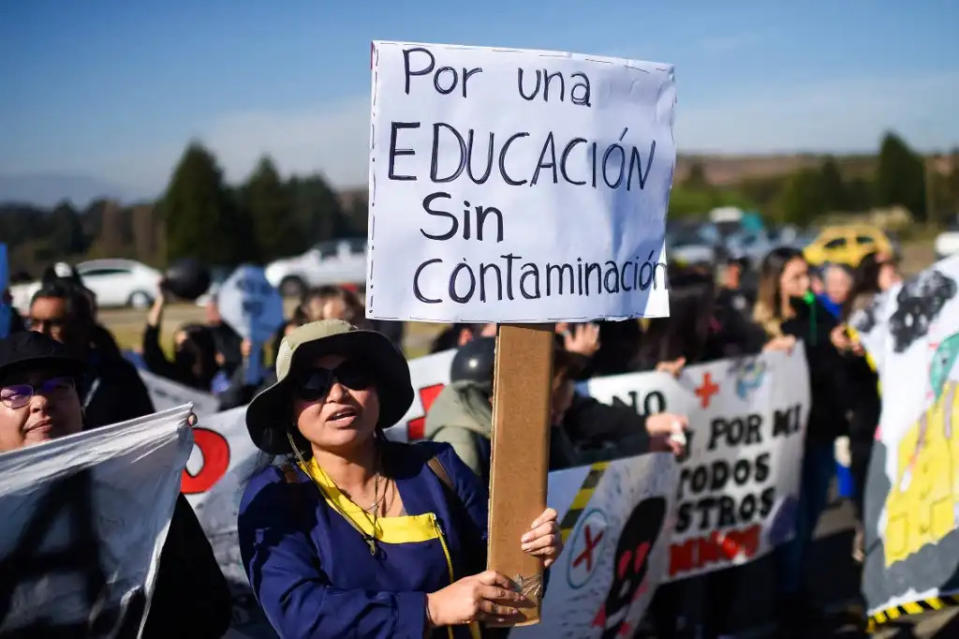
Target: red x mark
(587, 554)
(707, 390)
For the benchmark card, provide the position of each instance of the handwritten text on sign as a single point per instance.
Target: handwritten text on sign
(510, 185)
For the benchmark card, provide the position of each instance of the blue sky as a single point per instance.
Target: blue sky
(115, 90)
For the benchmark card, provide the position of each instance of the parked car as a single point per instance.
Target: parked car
(847, 244)
(947, 242)
(120, 282)
(115, 282)
(332, 262)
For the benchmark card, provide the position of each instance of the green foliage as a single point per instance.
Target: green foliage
(900, 177)
(317, 209)
(692, 201)
(269, 205)
(201, 219)
(802, 198)
(834, 197)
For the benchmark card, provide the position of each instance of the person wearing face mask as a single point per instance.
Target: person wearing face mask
(788, 311)
(357, 536)
(39, 402)
(194, 350)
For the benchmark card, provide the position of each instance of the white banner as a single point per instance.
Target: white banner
(512, 185)
(912, 490)
(165, 393)
(429, 375)
(739, 485)
(615, 518)
(85, 518)
(221, 463)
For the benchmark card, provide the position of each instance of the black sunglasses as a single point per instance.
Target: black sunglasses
(314, 383)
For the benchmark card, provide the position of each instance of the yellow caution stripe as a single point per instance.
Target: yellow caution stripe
(911, 608)
(582, 498)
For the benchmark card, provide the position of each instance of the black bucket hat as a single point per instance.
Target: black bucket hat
(28, 350)
(268, 415)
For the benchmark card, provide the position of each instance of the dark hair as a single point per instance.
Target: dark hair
(686, 331)
(197, 353)
(77, 301)
(865, 281)
(331, 292)
(768, 311)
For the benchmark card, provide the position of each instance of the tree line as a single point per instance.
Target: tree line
(267, 217)
(199, 214)
(896, 176)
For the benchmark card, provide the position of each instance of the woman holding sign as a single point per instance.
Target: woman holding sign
(360, 536)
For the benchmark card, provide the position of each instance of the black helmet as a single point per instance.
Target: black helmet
(474, 361)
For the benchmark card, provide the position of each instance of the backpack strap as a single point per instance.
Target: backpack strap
(440, 471)
(289, 473)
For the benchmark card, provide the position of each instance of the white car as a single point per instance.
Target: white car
(947, 243)
(332, 262)
(115, 283)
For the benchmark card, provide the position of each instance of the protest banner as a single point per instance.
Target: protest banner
(5, 308)
(85, 518)
(511, 185)
(614, 518)
(254, 309)
(221, 463)
(429, 375)
(739, 484)
(165, 393)
(912, 499)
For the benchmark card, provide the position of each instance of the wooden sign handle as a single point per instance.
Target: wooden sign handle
(522, 386)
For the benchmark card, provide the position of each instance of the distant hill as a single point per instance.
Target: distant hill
(49, 189)
(723, 170)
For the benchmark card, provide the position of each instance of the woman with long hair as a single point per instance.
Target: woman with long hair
(788, 311)
(359, 536)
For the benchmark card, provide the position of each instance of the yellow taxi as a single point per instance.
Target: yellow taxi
(847, 244)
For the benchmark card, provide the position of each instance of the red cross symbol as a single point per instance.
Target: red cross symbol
(416, 428)
(707, 390)
(587, 554)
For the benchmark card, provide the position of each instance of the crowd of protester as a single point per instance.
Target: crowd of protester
(74, 375)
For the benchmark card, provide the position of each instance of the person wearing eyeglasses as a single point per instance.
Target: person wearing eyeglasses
(38, 393)
(357, 536)
(39, 402)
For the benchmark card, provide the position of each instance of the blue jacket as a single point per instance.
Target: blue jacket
(313, 573)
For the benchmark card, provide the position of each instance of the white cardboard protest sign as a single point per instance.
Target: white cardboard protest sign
(514, 185)
(911, 509)
(739, 485)
(85, 518)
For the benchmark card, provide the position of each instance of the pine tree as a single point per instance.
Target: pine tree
(900, 176)
(200, 218)
(269, 205)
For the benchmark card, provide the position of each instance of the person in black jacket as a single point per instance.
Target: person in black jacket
(788, 311)
(194, 362)
(38, 402)
(110, 390)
